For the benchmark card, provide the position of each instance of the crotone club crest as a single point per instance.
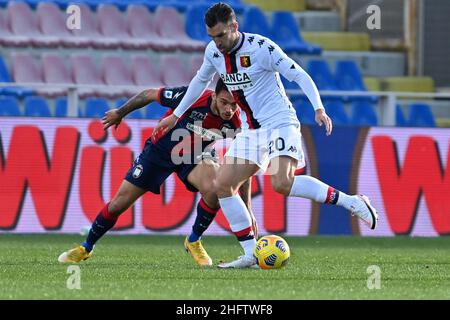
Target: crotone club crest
(245, 61)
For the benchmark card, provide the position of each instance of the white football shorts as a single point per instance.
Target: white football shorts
(262, 145)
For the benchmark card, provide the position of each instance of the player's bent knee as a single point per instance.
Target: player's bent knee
(222, 189)
(281, 185)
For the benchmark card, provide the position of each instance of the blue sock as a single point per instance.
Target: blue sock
(100, 226)
(205, 216)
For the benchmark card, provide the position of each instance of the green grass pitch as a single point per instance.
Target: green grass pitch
(157, 267)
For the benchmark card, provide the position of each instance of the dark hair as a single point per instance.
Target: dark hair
(219, 12)
(220, 86)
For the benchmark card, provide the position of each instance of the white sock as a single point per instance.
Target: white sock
(309, 188)
(314, 189)
(238, 217)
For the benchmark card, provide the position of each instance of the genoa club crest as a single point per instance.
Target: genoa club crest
(245, 61)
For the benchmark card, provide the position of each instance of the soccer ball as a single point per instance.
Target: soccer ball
(271, 252)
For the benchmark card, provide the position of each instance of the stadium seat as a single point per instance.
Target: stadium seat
(169, 25)
(25, 69)
(142, 27)
(400, 120)
(61, 107)
(363, 114)
(55, 72)
(24, 22)
(96, 107)
(286, 34)
(90, 30)
(7, 38)
(113, 26)
(53, 24)
(175, 73)
(255, 21)
(136, 114)
(85, 72)
(348, 78)
(420, 115)
(194, 22)
(155, 111)
(4, 73)
(145, 71)
(36, 106)
(305, 111)
(195, 64)
(11, 91)
(339, 41)
(116, 73)
(336, 111)
(323, 77)
(9, 107)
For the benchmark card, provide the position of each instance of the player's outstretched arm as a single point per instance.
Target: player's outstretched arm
(115, 116)
(245, 191)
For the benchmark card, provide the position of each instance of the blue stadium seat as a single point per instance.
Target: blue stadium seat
(194, 22)
(349, 78)
(155, 111)
(136, 114)
(305, 111)
(61, 107)
(322, 75)
(363, 114)
(420, 115)
(400, 120)
(286, 33)
(9, 107)
(255, 21)
(96, 107)
(336, 111)
(36, 107)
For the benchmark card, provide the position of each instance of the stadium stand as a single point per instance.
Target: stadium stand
(286, 33)
(9, 107)
(145, 71)
(174, 73)
(255, 21)
(194, 22)
(169, 25)
(363, 114)
(36, 106)
(116, 73)
(154, 111)
(336, 111)
(96, 107)
(305, 111)
(420, 115)
(130, 42)
(400, 120)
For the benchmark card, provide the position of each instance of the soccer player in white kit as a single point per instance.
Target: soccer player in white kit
(250, 65)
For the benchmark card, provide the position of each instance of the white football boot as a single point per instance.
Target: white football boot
(365, 211)
(240, 263)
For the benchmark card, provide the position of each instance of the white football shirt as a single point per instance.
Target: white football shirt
(252, 74)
